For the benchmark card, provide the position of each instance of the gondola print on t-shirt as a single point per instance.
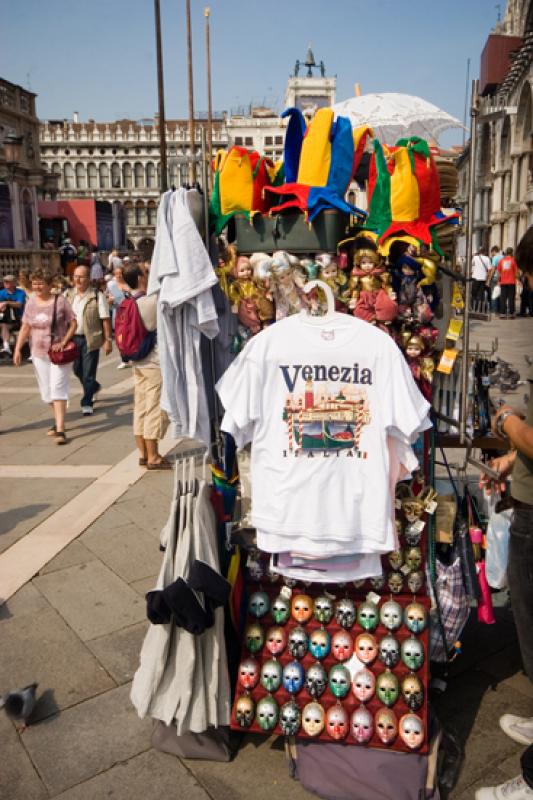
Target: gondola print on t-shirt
(325, 416)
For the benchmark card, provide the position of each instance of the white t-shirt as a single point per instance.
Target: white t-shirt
(317, 400)
(480, 267)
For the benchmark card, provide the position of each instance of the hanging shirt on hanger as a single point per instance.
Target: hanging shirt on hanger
(318, 402)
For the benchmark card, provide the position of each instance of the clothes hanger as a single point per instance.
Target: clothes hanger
(330, 315)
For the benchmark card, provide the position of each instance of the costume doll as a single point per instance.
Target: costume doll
(262, 268)
(421, 365)
(330, 273)
(244, 295)
(428, 265)
(370, 296)
(287, 285)
(412, 302)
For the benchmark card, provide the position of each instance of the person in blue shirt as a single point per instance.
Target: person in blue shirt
(12, 302)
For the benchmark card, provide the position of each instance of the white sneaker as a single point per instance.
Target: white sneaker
(515, 789)
(122, 365)
(87, 411)
(519, 729)
(6, 349)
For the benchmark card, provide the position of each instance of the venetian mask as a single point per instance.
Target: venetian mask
(412, 534)
(386, 725)
(362, 725)
(339, 681)
(313, 719)
(412, 653)
(271, 675)
(290, 718)
(412, 692)
(396, 559)
(342, 645)
(316, 680)
(368, 616)
(345, 613)
(302, 607)
(366, 648)
(387, 688)
(266, 713)
(259, 604)
(364, 685)
(293, 677)
(249, 673)
(281, 610)
(297, 643)
(413, 509)
(398, 526)
(413, 557)
(378, 582)
(323, 610)
(395, 582)
(389, 651)
(276, 640)
(319, 643)
(244, 711)
(391, 615)
(412, 731)
(337, 724)
(415, 617)
(254, 637)
(415, 581)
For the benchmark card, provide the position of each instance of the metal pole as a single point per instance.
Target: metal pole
(474, 110)
(466, 98)
(209, 100)
(161, 98)
(192, 170)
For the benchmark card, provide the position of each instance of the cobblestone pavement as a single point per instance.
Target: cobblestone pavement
(79, 530)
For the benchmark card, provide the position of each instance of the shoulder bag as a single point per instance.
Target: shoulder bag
(69, 353)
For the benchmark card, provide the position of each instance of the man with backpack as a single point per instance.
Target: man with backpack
(68, 255)
(135, 335)
(93, 332)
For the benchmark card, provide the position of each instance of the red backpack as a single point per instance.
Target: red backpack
(133, 340)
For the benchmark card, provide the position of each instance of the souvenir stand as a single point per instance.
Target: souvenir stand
(338, 659)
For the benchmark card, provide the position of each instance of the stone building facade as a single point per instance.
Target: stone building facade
(504, 163)
(119, 162)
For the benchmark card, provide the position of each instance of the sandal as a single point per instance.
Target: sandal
(60, 437)
(161, 465)
(143, 462)
(51, 431)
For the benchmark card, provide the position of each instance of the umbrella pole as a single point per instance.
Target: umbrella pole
(474, 110)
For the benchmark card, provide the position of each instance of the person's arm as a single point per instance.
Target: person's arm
(22, 338)
(71, 330)
(108, 341)
(519, 433)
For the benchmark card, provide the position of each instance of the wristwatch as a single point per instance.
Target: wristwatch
(500, 422)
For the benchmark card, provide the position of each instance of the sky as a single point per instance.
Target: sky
(97, 57)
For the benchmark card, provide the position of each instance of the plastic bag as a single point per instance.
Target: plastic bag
(498, 548)
(496, 292)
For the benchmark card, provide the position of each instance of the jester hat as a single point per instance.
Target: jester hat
(240, 177)
(319, 161)
(404, 191)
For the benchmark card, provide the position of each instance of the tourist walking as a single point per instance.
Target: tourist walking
(480, 275)
(149, 420)
(508, 272)
(93, 331)
(49, 323)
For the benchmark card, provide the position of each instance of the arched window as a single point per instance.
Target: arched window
(92, 174)
(138, 173)
(115, 176)
(140, 213)
(56, 169)
(152, 212)
(130, 212)
(69, 180)
(126, 175)
(81, 177)
(104, 175)
(150, 175)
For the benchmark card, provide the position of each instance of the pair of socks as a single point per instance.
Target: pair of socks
(192, 603)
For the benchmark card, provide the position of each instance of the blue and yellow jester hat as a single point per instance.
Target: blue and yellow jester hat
(318, 163)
